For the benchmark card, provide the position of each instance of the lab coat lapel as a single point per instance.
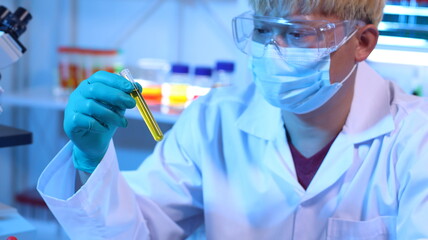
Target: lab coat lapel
(264, 121)
(370, 117)
(260, 118)
(279, 161)
(337, 161)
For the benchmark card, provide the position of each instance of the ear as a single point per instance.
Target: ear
(367, 40)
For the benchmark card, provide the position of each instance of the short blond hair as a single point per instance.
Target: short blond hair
(369, 11)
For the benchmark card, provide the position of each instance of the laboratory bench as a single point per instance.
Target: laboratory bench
(13, 224)
(11, 136)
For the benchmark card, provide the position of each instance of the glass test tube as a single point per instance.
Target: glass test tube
(143, 108)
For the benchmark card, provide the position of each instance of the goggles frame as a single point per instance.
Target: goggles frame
(300, 33)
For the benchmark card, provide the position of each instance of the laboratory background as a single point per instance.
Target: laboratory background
(176, 49)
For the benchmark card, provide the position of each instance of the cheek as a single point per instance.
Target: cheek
(342, 61)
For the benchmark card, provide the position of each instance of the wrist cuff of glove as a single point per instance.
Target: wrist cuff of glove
(83, 163)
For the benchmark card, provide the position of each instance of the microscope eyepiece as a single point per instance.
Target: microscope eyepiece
(15, 24)
(4, 12)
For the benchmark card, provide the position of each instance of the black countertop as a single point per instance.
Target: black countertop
(10, 136)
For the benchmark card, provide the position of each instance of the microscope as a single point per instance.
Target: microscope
(12, 26)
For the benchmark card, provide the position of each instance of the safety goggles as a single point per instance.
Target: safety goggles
(322, 35)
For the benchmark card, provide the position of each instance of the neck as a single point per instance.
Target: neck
(310, 132)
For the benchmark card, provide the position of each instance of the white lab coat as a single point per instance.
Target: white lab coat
(226, 167)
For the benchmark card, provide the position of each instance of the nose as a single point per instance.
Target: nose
(279, 40)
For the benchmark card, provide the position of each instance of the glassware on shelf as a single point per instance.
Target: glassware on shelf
(76, 64)
(224, 73)
(151, 74)
(175, 89)
(202, 82)
(67, 68)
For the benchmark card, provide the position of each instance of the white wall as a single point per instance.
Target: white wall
(189, 31)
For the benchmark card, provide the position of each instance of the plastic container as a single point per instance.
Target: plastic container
(175, 89)
(86, 59)
(104, 60)
(151, 73)
(63, 66)
(224, 73)
(202, 82)
(76, 64)
(68, 67)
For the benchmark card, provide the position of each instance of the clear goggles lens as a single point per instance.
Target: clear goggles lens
(322, 35)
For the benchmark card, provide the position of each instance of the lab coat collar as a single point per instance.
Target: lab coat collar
(369, 116)
(260, 118)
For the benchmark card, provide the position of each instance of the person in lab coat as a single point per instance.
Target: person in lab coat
(317, 146)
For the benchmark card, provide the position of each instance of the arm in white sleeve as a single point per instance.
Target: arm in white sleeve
(160, 200)
(103, 208)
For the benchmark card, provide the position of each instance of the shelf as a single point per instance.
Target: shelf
(406, 10)
(397, 56)
(395, 26)
(45, 98)
(402, 43)
(13, 224)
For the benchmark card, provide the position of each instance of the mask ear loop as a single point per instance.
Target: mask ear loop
(349, 74)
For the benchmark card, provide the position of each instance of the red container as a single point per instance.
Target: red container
(78, 64)
(68, 67)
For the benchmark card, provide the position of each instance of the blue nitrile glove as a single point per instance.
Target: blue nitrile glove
(94, 111)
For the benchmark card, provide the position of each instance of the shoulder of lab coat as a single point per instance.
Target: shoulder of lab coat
(403, 119)
(412, 171)
(411, 154)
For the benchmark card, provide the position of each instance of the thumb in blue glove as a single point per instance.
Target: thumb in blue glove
(94, 111)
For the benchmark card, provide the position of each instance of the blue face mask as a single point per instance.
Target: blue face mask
(300, 84)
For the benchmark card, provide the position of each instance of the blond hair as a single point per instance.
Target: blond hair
(369, 11)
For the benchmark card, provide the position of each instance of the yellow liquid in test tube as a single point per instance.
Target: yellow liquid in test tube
(143, 108)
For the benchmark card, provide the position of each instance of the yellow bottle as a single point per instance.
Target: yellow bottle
(175, 90)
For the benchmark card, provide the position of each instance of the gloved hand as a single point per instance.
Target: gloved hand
(94, 111)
